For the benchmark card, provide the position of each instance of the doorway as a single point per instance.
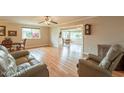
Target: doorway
(72, 40)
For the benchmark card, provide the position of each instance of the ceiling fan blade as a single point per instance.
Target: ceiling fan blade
(53, 22)
(41, 22)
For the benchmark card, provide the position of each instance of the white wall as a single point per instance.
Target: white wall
(54, 36)
(105, 30)
(45, 35)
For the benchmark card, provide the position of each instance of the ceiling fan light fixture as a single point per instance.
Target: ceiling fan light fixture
(48, 20)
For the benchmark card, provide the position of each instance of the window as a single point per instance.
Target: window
(76, 35)
(30, 33)
(65, 35)
(72, 35)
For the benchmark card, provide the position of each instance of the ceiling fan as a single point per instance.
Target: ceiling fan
(47, 20)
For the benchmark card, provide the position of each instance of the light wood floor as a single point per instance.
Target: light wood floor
(62, 61)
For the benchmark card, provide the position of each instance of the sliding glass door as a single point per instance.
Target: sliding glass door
(73, 38)
(76, 37)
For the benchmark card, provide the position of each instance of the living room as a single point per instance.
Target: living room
(103, 31)
(61, 46)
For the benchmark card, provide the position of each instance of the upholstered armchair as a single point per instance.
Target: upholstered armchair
(21, 64)
(96, 66)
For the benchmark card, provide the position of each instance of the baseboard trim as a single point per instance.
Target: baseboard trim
(47, 45)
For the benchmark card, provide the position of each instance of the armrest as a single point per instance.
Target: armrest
(94, 57)
(19, 54)
(89, 69)
(36, 70)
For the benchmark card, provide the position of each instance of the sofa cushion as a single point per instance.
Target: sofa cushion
(93, 57)
(21, 60)
(113, 52)
(19, 54)
(23, 66)
(30, 57)
(7, 64)
(34, 62)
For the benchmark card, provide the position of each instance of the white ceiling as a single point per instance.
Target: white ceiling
(34, 20)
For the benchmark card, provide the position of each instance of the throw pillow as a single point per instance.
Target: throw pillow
(4, 49)
(12, 68)
(113, 52)
(7, 64)
(3, 63)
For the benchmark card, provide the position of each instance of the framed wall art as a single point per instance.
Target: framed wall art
(2, 30)
(12, 33)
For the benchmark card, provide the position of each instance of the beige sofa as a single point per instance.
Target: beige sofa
(95, 66)
(21, 64)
